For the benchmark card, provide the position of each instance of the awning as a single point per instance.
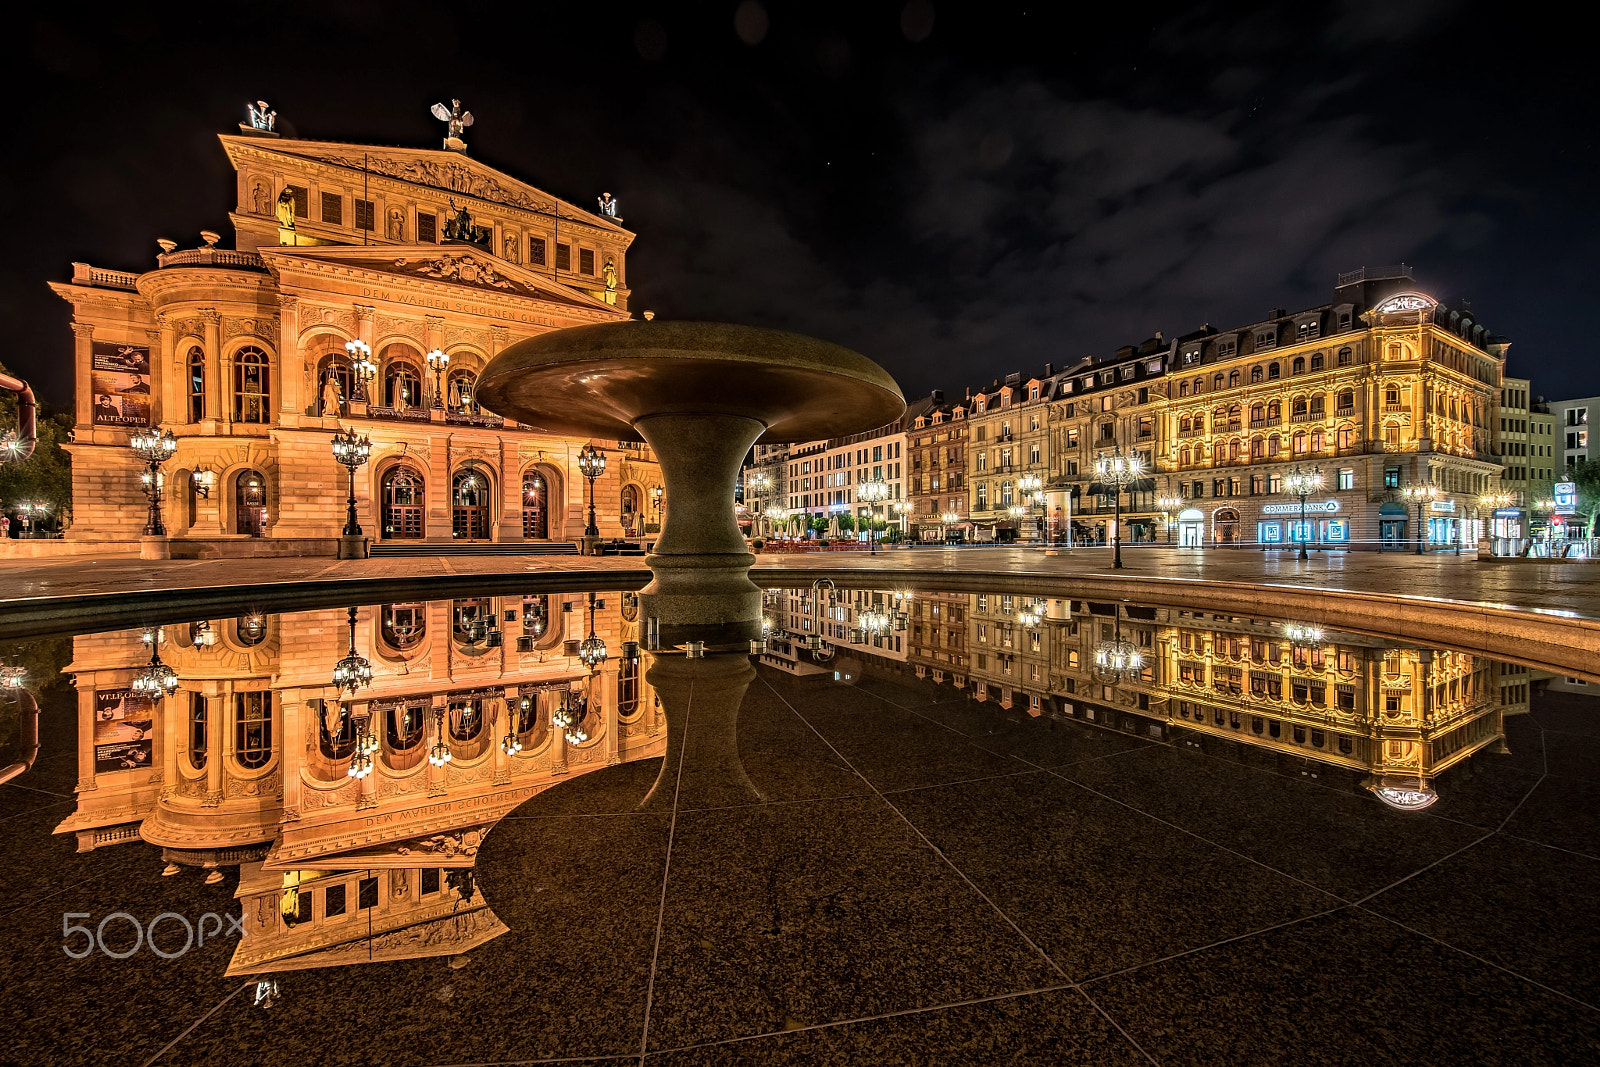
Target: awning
(1138, 485)
(1393, 509)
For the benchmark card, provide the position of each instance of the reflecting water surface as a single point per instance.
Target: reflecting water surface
(516, 832)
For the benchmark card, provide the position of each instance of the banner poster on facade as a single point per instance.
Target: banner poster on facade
(124, 730)
(121, 382)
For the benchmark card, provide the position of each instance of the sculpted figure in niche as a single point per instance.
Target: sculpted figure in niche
(397, 224)
(330, 396)
(259, 200)
(286, 209)
(610, 271)
(512, 249)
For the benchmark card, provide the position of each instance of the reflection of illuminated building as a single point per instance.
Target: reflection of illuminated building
(936, 642)
(248, 761)
(833, 618)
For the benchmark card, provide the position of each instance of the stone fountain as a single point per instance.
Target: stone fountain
(700, 394)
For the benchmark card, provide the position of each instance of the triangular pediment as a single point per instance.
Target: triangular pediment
(468, 266)
(452, 173)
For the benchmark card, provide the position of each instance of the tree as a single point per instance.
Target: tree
(847, 522)
(1585, 474)
(47, 474)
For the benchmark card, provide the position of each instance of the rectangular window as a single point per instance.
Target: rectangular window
(1391, 477)
(563, 257)
(536, 251)
(332, 208)
(1347, 478)
(430, 880)
(364, 214)
(333, 901)
(366, 894)
(426, 227)
(585, 261)
(302, 200)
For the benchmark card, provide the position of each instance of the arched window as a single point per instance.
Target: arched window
(402, 384)
(1198, 383)
(1258, 447)
(334, 370)
(470, 623)
(1297, 406)
(1299, 442)
(1234, 413)
(1346, 400)
(535, 616)
(1272, 445)
(461, 391)
(1233, 450)
(252, 724)
(1233, 379)
(250, 630)
(465, 719)
(1298, 366)
(632, 501)
(1219, 419)
(1274, 409)
(628, 688)
(252, 386)
(1272, 372)
(197, 384)
(1183, 388)
(335, 739)
(1346, 357)
(1183, 456)
(250, 503)
(1255, 373)
(404, 502)
(1257, 412)
(198, 738)
(403, 726)
(1216, 383)
(404, 625)
(469, 505)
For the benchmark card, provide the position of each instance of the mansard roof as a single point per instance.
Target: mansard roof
(451, 173)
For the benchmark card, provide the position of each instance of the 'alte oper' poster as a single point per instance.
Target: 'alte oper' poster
(121, 381)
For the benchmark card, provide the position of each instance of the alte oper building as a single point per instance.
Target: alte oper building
(435, 261)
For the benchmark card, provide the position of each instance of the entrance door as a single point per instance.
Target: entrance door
(404, 502)
(469, 506)
(1392, 533)
(250, 504)
(1190, 534)
(535, 507)
(1227, 524)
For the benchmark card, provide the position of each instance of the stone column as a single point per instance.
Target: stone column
(173, 719)
(701, 590)
(216, 387)
(168, 377)
(432, 337)
(607, 681)
(295, 725)
(218, 745)
(364, 314)
(83, 358)
(86, 782)
(292, 377)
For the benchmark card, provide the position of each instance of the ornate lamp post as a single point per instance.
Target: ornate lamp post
(156, 680)
(656, 493)
(351, 452)
(949, 518)
(13, 677)
(1302, 484)
(438, 361)
(1118, 470)
(872, 493)
(362, 369)
(1169, 504)
(902, 513)
(155, 449)
(1118, 660)
(592, 649)
(1031, 486)
(354, 671)
(1420, 493)
(1303, 635)
(591, 464)
(439, 752)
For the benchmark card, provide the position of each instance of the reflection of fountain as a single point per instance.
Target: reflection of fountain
(700, 394)
(702, 693)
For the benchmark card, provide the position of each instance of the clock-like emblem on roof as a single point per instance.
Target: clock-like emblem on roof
(1406, 302)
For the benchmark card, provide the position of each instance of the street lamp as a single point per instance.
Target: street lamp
(362, 369)
(1420, 493)
(354, 671)
(949, 518)
(1118, 470)
(591, 464)
(438, 360)
(1302, 484)
(439, 752)
(874, 493)
(155, 449)
(1169, 504)
(351, 452)
(1031, 486)
(156, 680)
(1118, 660)
(592, 649)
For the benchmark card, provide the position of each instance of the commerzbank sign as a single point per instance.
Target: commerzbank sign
(1313, 507)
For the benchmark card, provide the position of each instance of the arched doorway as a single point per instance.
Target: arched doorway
(1191, 528)
(535, 506)
(250, 503)
(632, 505)
(469, 505)
(404, 503)
(1226, 523)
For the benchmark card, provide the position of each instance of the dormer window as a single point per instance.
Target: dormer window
(1191, 356)
(1307, 330)
(1228, 346)
(1267, 338)
(1128, 371)
(1108, 378)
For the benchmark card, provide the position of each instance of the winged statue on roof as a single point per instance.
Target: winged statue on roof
(454, 118)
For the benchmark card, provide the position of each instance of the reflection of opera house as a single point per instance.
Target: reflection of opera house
(248, 762)
(242, 353)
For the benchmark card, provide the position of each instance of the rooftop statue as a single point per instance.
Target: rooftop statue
(608, 205)
(262, 117)
(459, 227)
(456, 120)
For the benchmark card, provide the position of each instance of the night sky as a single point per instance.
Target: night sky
(957, 191)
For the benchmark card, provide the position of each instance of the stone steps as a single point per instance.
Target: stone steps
(473, 548)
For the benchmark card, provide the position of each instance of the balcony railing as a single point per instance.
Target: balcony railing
(1344, 412)
(231, 258)
(84, 274)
